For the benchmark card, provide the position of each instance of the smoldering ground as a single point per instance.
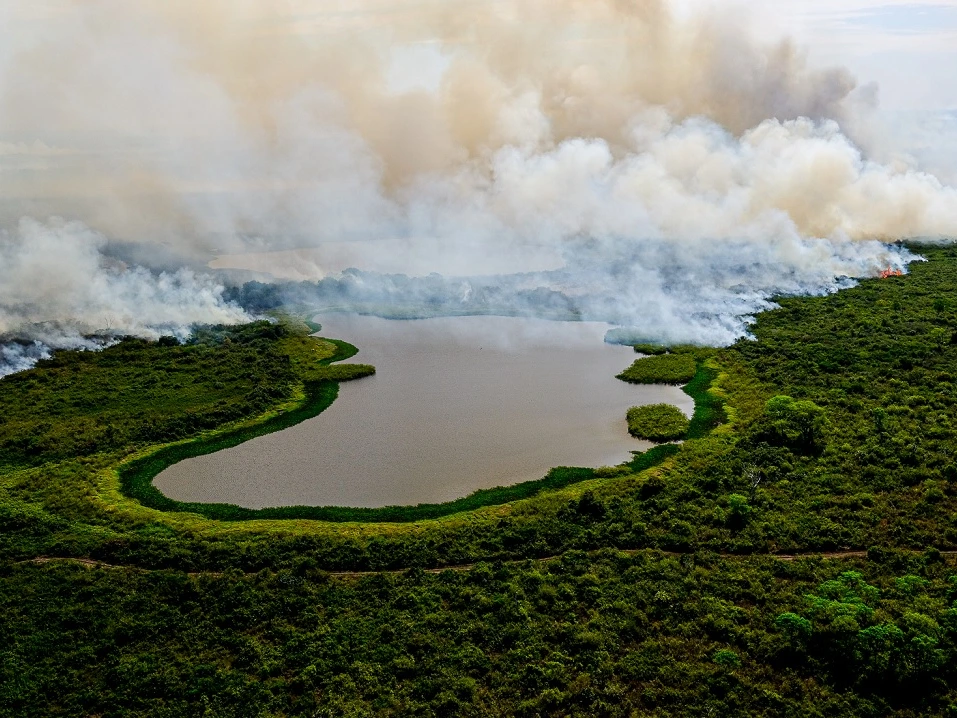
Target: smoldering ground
(683, 169)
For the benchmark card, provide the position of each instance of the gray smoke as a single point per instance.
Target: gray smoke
(683, 170)
(702, 292)
(58, 290)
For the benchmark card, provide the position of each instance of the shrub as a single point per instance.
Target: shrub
(796, 628)
(663, 369)
(726, 658)
(657, 422)
(738, 511)
(796, 423)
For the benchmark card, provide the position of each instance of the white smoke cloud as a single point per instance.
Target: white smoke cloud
(691, 170)
(222, 125)
(690, 181)
(20, 356)
(707, 292)
(57, 289)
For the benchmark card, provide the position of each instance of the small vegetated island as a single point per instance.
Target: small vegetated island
(657, 422)
(676, 367)
(679, 365)
(793, 556)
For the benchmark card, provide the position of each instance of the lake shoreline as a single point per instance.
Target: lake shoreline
(457, 404)
(136, 476)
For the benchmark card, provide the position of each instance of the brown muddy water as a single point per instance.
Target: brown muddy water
(457, 404)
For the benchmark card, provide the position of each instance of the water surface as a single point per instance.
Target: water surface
(457, 404)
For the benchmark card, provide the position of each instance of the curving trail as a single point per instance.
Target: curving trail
(828, 555)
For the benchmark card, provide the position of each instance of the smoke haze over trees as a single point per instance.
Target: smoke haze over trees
(683, 170)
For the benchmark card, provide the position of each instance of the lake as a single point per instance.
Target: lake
(457, 404)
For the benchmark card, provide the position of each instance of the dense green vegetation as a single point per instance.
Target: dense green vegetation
(657, 422)
(139, 392)
(650, 349)
(789, 558)
(589, 634)
(661, 369)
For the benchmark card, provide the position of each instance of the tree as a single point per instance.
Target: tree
(796, 628)
(796, 422)
(738, 510)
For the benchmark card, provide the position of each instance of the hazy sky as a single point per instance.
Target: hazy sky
(909, 48)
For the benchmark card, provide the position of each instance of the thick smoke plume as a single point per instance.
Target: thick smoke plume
(683, 170)
(57, 291)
